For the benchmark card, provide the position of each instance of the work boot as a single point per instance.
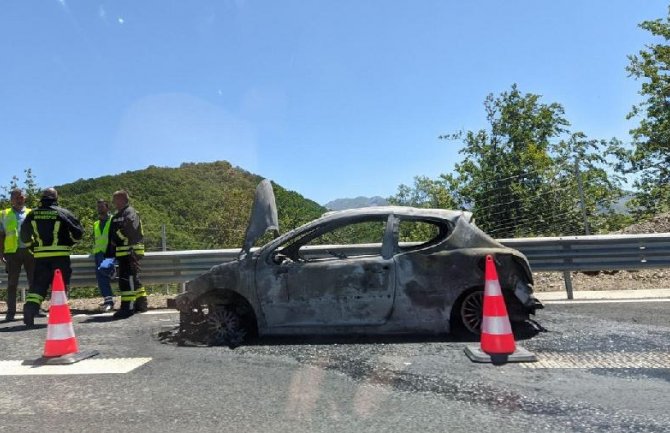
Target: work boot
(141, 304)
(125, 311)
(30, 310)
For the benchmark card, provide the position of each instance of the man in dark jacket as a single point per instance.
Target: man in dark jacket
(50, 231)
(126, 244)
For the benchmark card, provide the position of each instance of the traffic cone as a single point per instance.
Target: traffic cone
(497, 343)
(61, 345)
(496, 337)
(60, 332)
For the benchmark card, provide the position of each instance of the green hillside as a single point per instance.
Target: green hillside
(203, 206)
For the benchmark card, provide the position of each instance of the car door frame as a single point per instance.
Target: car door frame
(281, 305)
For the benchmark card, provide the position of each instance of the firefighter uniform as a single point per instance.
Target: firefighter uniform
(126, 244)
(50, 231)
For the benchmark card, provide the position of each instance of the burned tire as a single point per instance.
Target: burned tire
(225, 326)
(219, 322)
(467, 313)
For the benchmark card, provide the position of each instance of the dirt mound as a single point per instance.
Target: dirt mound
(658, 224)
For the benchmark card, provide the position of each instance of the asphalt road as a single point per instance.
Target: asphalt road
(390, 384)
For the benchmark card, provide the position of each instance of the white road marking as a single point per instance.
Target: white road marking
(603, 301)
(19, 317)
(588, 360)
(148, 313)
(87, 366)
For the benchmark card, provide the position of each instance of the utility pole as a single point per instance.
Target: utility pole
(164, 248)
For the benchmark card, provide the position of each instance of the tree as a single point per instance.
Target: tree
(426, 193)
(29, 185)
(519, 176)
(503, 176)
(650, 157)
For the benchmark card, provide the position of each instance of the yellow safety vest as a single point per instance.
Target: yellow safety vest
(101, 238)
(11, 226)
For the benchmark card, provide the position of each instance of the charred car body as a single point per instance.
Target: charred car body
(300, 283)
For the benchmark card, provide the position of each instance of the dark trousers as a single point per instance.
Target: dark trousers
(128, 269)
(44, 273)
(21, 258)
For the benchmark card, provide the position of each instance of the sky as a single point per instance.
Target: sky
(331, 99)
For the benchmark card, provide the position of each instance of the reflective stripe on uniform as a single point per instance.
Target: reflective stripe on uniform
(51, 254)
(125, 250)
(128, 296)
(34, 298)
(36, 232)
(55, 234)
(52, 251)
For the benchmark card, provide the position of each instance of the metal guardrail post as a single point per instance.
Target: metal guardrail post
(567, 276)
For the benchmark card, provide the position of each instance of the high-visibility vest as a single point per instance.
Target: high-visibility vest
(101, 237)
(11, 226)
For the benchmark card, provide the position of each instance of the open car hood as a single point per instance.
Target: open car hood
(263, 216)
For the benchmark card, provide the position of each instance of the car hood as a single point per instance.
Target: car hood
(263, 216)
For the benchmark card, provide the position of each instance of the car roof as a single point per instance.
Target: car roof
(402, 211)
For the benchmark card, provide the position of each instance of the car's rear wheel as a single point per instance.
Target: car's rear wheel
(470, 311)
(466, 313)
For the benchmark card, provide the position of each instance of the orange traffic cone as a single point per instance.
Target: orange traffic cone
(497, 343)
(497, 337)
(60, 333)
(61, 345)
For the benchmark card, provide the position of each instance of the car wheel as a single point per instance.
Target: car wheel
(470, 311)
(225, 326)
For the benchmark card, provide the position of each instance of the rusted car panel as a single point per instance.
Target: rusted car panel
(387, 287)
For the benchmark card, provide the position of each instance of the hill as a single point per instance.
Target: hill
(203, 205)
(353, 203)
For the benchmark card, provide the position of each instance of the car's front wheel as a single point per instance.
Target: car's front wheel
(225, 326)
(217, 321)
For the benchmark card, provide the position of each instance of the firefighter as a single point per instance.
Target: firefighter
(51, 231)
(126, 244)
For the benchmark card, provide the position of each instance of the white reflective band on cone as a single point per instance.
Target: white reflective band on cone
(496, 325)
(58, 298)
(492, 288)
(62, 331)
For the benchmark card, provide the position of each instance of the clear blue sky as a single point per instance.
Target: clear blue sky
(328, 98)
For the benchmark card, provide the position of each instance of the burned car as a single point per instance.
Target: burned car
(407, 270)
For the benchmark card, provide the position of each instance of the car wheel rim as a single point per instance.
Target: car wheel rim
(471, 311)
(225, 326)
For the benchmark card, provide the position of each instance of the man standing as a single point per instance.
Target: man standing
(51, 231)
(13, 251)
(126, 240)
(101, 237)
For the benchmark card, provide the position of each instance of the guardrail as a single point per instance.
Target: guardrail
(559, 254)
